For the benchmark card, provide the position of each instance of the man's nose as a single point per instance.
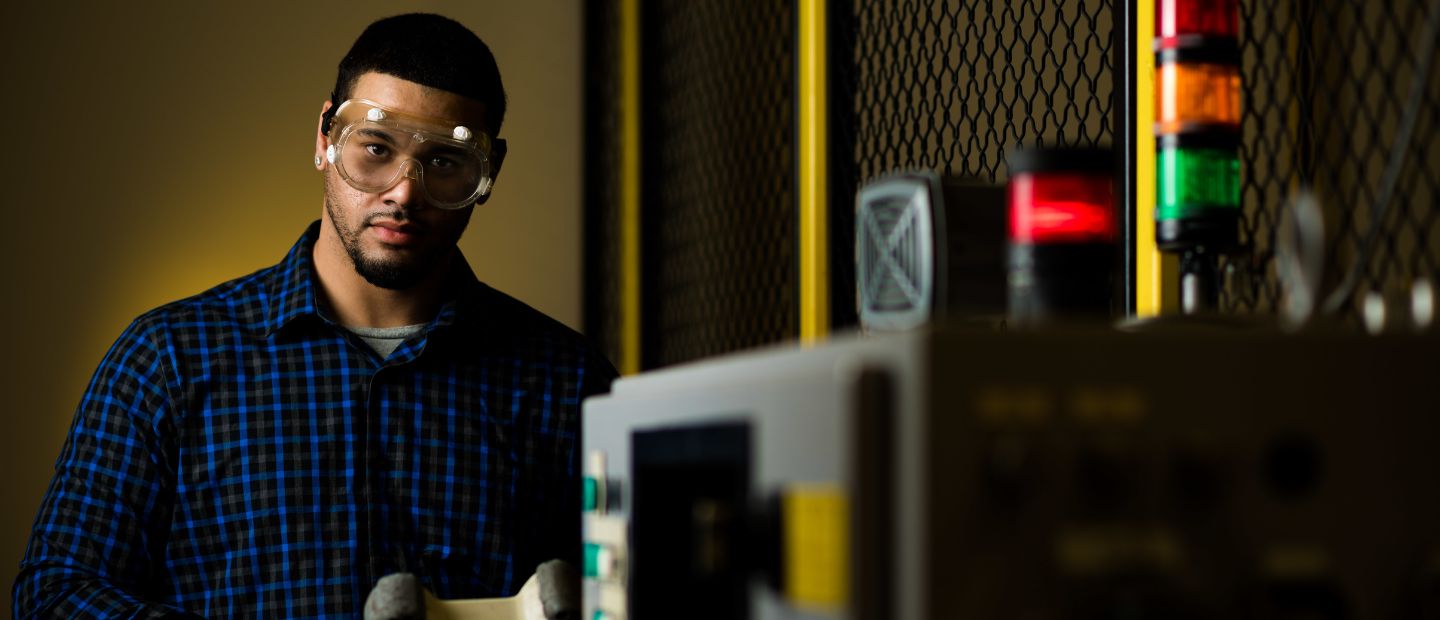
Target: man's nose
(406, 192)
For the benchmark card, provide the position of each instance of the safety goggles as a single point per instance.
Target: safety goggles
(374, 147)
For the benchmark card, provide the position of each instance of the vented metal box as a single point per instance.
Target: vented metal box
(928, 248)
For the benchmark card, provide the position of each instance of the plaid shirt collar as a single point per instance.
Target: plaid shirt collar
(292, 287)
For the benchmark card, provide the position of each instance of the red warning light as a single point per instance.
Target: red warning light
(1062, 208)
(1205, 18)
(1063, 249)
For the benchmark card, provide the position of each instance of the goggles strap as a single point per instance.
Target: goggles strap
(328, 115)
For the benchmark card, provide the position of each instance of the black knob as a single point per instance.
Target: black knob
(1293, 465)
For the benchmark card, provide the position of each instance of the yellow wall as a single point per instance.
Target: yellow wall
(152, 150)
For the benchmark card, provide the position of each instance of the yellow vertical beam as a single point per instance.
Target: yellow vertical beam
(629, 186)
(1156, 274)
(813, 174)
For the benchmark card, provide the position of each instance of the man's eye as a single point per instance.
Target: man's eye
(441, 163)
(377, 150)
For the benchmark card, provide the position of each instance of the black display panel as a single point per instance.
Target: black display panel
(688, 510)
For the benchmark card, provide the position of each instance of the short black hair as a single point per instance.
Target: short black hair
(427, 49)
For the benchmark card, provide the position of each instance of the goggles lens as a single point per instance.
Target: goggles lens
(373, 148)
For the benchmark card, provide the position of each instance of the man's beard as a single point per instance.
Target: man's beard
(393, 274)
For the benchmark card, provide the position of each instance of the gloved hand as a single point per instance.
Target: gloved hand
(559, 590)
(552, 593)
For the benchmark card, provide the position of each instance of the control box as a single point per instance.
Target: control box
(1084, 474)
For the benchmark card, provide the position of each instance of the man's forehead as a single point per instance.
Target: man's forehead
(413, 98)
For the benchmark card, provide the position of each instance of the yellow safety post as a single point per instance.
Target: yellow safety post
(813, 175)
(1156, 273)
(629, 186)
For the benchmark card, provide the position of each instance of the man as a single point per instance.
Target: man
(275, 445)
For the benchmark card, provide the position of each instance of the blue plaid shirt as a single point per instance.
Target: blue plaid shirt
(238, 453)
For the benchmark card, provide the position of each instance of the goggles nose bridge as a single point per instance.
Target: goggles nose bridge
(410, 169)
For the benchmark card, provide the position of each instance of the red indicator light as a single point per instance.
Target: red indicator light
(1062, 208)
(1063, 245)
(1209, 18)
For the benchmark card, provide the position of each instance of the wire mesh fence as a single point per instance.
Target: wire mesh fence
(1328, 86)
(953, 85)
(718, 156)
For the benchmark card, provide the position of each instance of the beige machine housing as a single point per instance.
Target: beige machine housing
(1193, 473)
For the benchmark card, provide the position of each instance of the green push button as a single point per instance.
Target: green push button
(592, 495)
(592, 559)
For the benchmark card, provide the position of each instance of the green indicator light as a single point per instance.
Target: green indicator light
(592, 560)
(1193, 181)
(592, 494)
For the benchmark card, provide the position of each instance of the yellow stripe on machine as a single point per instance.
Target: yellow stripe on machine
(817, 536)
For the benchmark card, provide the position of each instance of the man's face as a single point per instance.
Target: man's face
(395, 238)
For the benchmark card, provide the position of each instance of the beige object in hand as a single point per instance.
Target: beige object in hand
(552, 593)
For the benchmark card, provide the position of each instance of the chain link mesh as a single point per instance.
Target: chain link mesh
(719, 208)
(1326, 84)
(602, 143)
(952, 85)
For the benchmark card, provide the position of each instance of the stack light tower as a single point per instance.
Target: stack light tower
(1197, 138)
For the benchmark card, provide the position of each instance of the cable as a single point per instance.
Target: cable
(1299, 256)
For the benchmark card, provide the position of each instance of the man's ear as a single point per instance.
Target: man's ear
(497, 160)
(321, 141)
